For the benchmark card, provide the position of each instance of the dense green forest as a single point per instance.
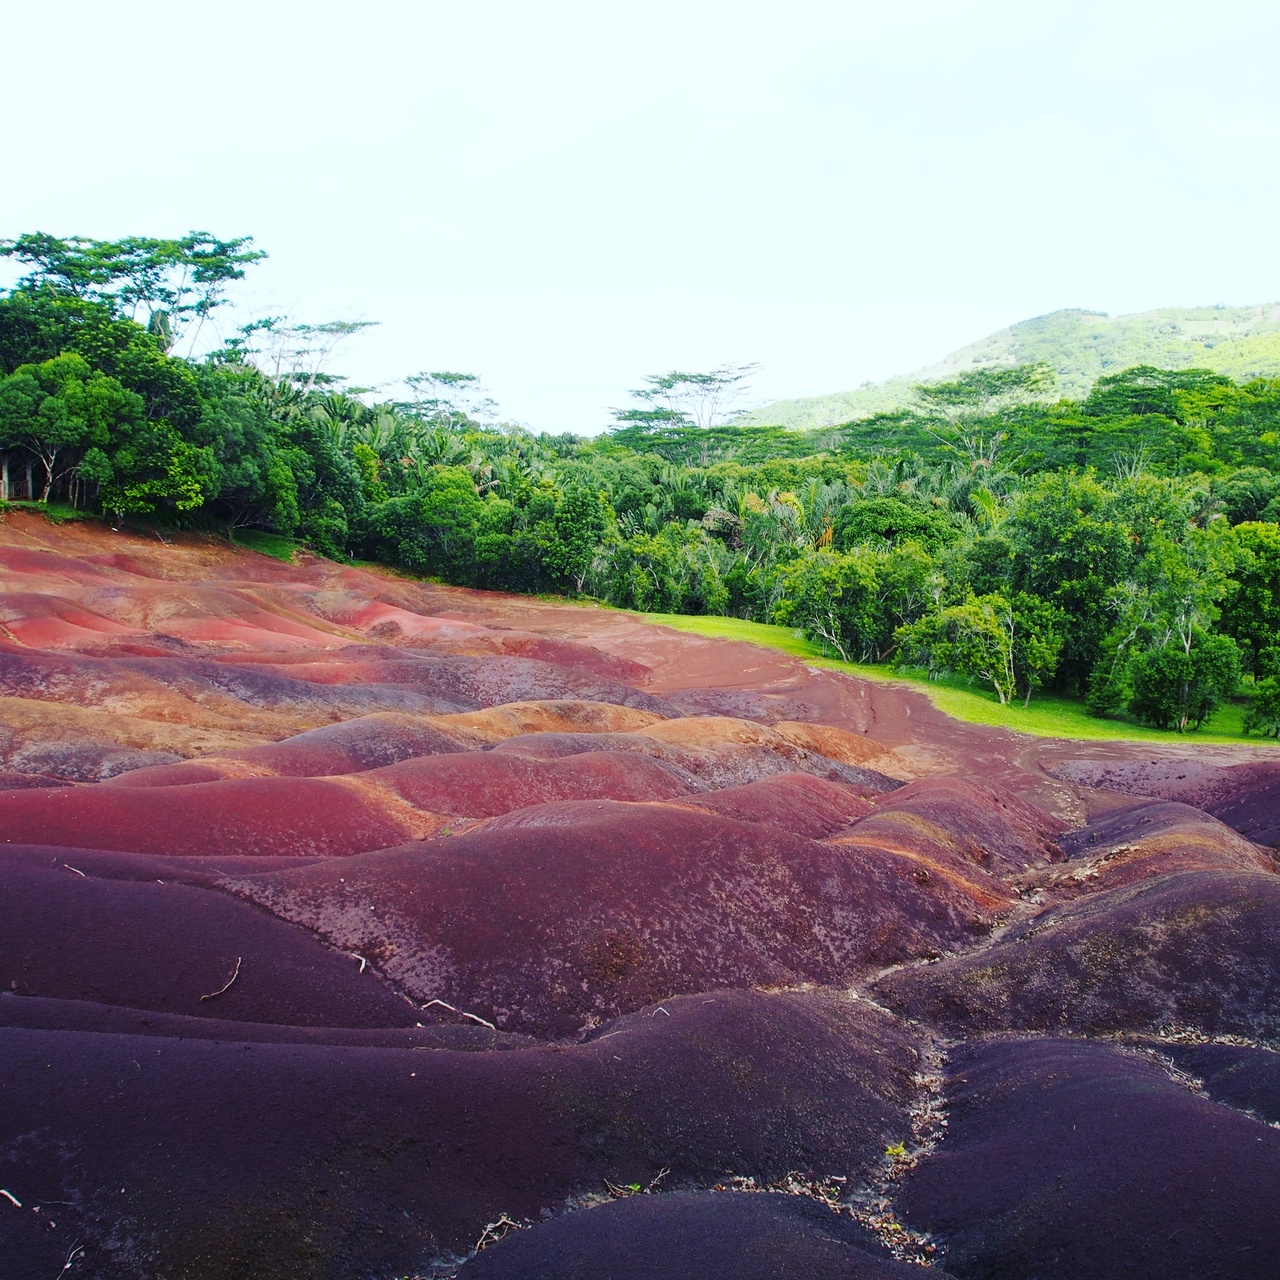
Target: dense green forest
(1123, 546)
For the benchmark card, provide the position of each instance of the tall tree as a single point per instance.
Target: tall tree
(175, 283)
(679, 399)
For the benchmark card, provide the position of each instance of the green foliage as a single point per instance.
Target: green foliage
(1176, 687)
(893, 520)
(1263, 715)
(1251, 600)
(1124, 542)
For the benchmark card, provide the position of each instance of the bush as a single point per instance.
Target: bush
(1176, 688)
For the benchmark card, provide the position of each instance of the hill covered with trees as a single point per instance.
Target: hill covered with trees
(1121, 545)
(1080, 347)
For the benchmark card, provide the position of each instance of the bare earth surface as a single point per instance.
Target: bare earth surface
(355, 928)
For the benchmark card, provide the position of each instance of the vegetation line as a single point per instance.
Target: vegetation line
(1049, 716)
(1038, 556)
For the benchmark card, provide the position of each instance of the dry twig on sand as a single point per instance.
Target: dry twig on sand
(462, 1013)
(76, 1252)
(494, 1231)
(213, 995)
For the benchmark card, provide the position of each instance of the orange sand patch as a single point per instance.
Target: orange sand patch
(512, 719)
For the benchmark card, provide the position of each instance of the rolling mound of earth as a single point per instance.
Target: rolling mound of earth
(359, 928)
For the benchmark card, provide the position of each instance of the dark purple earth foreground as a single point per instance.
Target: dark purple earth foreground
(353, 928)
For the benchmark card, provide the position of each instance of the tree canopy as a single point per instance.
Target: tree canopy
(1122, 546)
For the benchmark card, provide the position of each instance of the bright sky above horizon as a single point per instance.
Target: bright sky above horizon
(563, 197)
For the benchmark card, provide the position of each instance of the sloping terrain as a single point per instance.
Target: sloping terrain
(357, 927)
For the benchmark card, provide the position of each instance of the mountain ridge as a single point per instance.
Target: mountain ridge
(1080, 346)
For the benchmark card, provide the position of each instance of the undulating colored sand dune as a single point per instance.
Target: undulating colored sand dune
(355, 927)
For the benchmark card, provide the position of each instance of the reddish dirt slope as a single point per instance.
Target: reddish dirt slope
(349, 922)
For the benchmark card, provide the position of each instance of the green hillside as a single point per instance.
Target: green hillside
(1242, 342)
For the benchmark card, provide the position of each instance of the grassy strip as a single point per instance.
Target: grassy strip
(53, 512)
(276, 545)
(1049, 715)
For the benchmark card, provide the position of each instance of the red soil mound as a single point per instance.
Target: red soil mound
(721, 1236)
(47, 622)
(482, 785)
(564, 914)
(1064, 1160)
(329, 817)
(984, 823)
(306, 1160)
(958, 837)
(280, 817)
(796, 802)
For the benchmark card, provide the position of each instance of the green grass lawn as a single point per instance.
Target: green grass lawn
(1049, 716)
(268, 544)
(54, 512)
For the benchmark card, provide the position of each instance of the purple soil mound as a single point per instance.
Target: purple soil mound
(1064, 1160)
(476, 682)
(164, 946)
(985, 824)
(1244, 1078)
(1158, 837)
(310, 1161)
(1245, 796)
(559, 915)
(40, 1014)
(687, 1236)
(1197, 950)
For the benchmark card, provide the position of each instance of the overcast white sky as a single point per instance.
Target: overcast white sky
(564, 197)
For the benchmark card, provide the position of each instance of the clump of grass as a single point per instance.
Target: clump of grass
(1050, 715)
(276, 545)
